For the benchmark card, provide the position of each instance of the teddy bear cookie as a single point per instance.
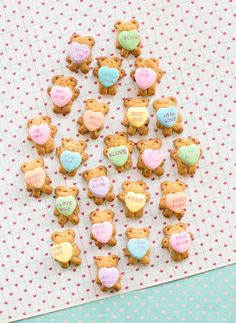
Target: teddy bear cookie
(146, 75)
(63, 92)
(71, 154)
(108, 276)
(92, 121)
(173, 201)
(128, 38)
(151, 158)
(103, 230)
(65, 250)
(136, 116)
(137, 249)
(109, 72)
(186, 154)
(119, 150)
(66, 206)
(168, 118)
(99, 186)
(80, 53)
(37, 180)
(42, 134)
(177, 241)
(134, 196)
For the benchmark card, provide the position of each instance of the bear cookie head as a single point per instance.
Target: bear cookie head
(66, 191)
(135, 102)
(94, 105)
(75, 146)
(101, 216)
(164, 103)
(107, 261)
(126, 25)
(38, 121)
(175, 228)
(169, 187)
(66, 236)
(154, 143)
(62, 80)
(88, 40)
(32, 165)
(137, 233)
(152, 63)
(120, 138)
(179, 142)
(136, 187)
(95, 172)
(112, 62)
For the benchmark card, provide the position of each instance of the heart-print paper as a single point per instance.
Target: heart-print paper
(102, 232)
(40, 134)
(129, 39)
(138, 248)
(70, 160)
(118, 155)
(180, 242)
(135, 201)
(78, 52)
(189, 155)
(108, 276)
(153, 158)
(36, 177)
(108, 76)
(145, 77)
(93, 120)
(66, 205)
(60, 95)
(62, 252)
(137, 116)
(176, 202)
(99, 186)
(167, 116)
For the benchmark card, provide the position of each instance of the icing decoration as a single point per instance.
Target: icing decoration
(61, 95)
(176, 202)
(138, 248)
(66, 205)
(70, 160)
(180, 242)
(137, 116)
(36, 177)
(118, 155)
(167, 116)
(189, 155)
(129, 39)
(108, 276)
(135, 201)
(102, 232)
(40, 134)
(62, 252)
(99, 186)
(145, 77)
(93, 120)
(108, 76)
(78, 52)
(153, 158)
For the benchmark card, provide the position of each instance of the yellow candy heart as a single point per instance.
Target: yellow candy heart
(134, 201)
(137, 116)
(62, 252)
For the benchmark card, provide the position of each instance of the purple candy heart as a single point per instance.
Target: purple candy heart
(78, 52)
(99, 186)
(108, 276)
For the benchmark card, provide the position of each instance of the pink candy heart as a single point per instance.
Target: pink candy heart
(102, 232)
(180, 242)
(152, 158)
(78, 52)
(176, 202)
(145, 77)
(60, 95)
(93, 120)
(40, 134)
(108, 276)
(35, 177)
(99, 186)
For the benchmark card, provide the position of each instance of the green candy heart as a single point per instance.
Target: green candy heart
(118, 155)
(189, 155)
(66, 205)
(129, 39)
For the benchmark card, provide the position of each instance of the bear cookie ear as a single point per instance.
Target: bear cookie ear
(135, 22)
(55, 78)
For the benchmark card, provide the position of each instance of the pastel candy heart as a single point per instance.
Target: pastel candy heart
(66, 205)
(60, 95)
(129, 39)
(108, 276)
(70, 160)
(135, 201)
(167, 116)
(152, 158)
(118, 155)
(93, 120)
(145, 77)
(40, 134)
(62, 252)
(180, 242)
(78, 52)
(99, 186)
(36, 177)
(108, 76)
(137, 116)
(102, 232)
(176, 202)
(138, 248)
(189, 155)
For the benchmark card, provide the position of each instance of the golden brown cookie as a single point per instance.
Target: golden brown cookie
(134, 196)
(137, 249)
(37, 180)
(136, 116)
(63, 92)
(173, 201)
(65, 250)
(80, 53)
(128, 38)
(146, 75)
(177, 241)
(151, 158)
(109, 72)
(99, 186)
(71, 154)
(119, 150)
(186, 154)
(92, 120)
(103, 230)
(66, 206)
(42, 134)
(168, 118)
(108, 276)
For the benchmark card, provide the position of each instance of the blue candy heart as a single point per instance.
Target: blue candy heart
(167, 116)
(70, 160)
(138, 248)
(108, 76)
